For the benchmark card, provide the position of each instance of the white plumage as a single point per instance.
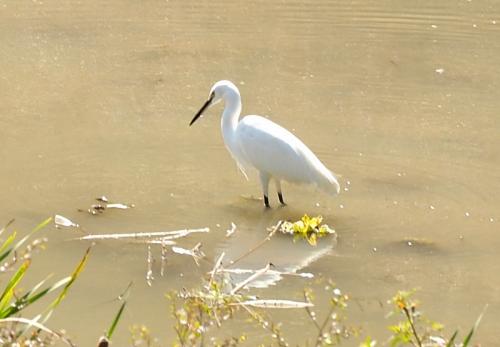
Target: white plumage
(256, 142)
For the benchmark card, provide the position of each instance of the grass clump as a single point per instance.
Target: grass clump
(13, 301)
(201, 315)
(197, 311)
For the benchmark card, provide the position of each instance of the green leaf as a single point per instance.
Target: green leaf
(468, 338)
(30, 298)
(8, 293)
(74, 276)
(368, 342)
(436, 326)
(452, 339)
(308, 228)
(37, 228)
(115, 321)
(312, 239)
(5, 251)
(6, 226)
(41, 225)
(474, 328)
(5, 245)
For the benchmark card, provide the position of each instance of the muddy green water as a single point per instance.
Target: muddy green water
(400, 98)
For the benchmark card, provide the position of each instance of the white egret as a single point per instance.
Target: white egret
(256, 142)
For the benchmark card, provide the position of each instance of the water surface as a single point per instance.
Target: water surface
(399, 98)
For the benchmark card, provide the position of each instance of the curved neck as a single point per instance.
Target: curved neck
(230, 115)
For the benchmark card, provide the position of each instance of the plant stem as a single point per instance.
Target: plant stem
(310, 313)
(410, 319)
(202, 337)
(268, 237)
(267, 326)
(323, 326)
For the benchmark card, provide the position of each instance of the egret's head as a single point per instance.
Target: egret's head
(220, 90)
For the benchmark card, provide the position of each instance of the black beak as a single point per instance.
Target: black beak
(203, 108)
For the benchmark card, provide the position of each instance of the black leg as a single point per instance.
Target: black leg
(266, 201)
(280, 196)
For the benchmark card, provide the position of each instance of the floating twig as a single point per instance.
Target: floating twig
(104, 204)
(149, 272)
(274, 303)
(61, 221)
(119, 206)
(164, 256)
(231, 231)
(217, 265)
(162, 242)
(194, 252)
(168, 235)
(251, 278)
(269, 272)
(268, 237)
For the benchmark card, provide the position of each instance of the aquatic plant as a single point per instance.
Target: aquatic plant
(416, 329)
(308, 228)
(200, 314)
(197, 312)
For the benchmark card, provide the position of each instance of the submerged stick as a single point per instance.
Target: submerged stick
(275, 303)
(231, 231)
(163, 234)
(149, 272)
(163, 257)
(268, 237)
(217, 265)
(161, 242)
(270, 272)
(250, 279)
(196, 253)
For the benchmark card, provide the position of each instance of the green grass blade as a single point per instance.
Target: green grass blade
(73, 277)
(451, 341)
(30, 298)
(468, 338)
(6, 226)
(38, 285)
(37, 228)
(8, 293)
(3, 252)
(474, 328)
(115, 321)
(35, 297)
(41, 225)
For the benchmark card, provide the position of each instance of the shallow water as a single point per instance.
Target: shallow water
(401, 99)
